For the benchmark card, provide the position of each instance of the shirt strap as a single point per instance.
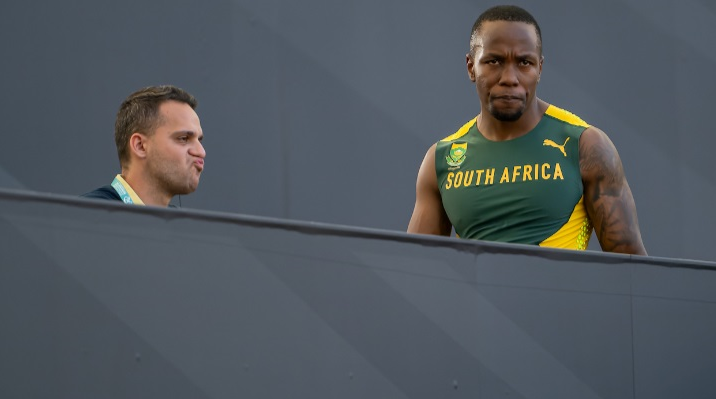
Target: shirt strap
(125, 191)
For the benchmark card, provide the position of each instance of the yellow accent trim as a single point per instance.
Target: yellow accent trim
(565, 116)
(462, 131)
(575, 234)
(135, 198)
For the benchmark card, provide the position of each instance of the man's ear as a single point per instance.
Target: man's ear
(470, 67)
(138, 145)
(541, 61)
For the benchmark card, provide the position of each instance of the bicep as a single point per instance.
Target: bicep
(607, 195)
(428, 215)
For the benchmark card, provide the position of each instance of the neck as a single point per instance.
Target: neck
(147, 190)
(497, 130)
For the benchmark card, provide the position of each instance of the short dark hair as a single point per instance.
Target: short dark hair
(139, 113)
(504, 13)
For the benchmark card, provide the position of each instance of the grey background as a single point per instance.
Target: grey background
(99, 299)
(322, 110)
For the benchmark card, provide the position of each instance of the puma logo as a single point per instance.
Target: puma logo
(551, 143)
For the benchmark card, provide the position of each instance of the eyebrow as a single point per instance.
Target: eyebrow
(518, 56)
(492, 56)
(188, 133)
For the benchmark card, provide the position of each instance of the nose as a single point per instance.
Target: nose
(509, 75)
(198, 150)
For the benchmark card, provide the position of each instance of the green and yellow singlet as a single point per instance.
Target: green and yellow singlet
(527, 190)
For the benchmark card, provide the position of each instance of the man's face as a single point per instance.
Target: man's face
(175, 156)
(506, 66)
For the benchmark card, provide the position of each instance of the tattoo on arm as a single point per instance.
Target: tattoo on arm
(609, 200)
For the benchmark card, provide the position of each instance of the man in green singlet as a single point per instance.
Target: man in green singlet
(158, 138)
(523, 171)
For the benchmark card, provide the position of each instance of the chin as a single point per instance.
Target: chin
(507, 116)
(192, 187)
(188, 189)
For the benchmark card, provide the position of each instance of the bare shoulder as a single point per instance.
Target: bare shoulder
(598, 155)
(430, 154)
(428, 215)
(427, 175)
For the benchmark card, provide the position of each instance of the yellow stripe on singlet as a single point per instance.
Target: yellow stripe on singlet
(575, 234)
(565, 116)
(462, 131)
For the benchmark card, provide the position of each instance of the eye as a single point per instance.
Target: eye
(525, 62)
(183, 139)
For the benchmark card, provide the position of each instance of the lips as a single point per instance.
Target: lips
(199, 163)
(508, 101)
(508, 97)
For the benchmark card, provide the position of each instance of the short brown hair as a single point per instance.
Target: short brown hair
(139, 113)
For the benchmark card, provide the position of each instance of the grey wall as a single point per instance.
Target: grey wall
(322, 111)
(98, 299)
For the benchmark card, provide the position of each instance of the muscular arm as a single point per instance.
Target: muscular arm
(428, 215)
(607, 195)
